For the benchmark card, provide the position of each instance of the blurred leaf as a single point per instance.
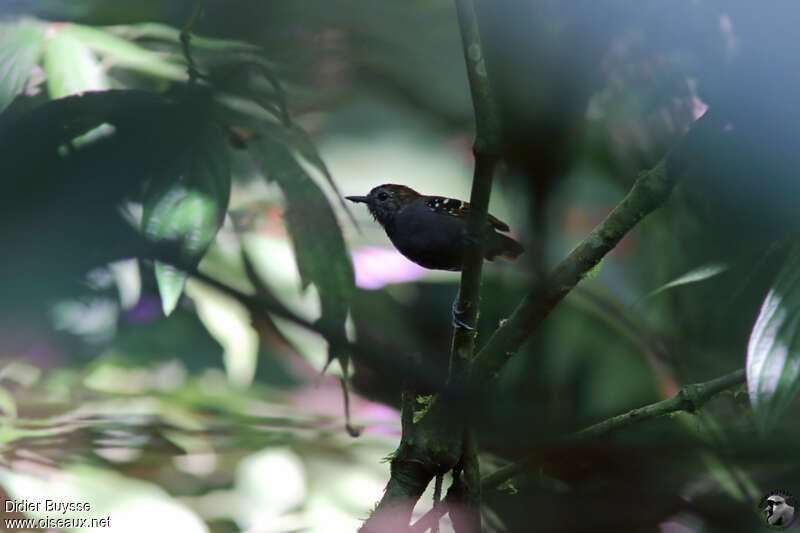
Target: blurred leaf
(71, 67)
(698, 274)
(20, 46)
(129, 501)
(8, 406)
(127, 54)
(152, 30)
(773, 352)
(255, 480)
(322, 257)
(187, 203)
(229, 322)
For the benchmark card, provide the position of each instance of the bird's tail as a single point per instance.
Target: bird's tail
(503, 246)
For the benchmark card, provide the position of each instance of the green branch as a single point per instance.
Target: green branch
(440, 441)
(650, 191)
(689, 399)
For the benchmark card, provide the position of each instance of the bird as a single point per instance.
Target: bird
(778, 511)
(431, 231)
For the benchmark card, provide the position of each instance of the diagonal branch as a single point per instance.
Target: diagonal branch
(650, 191)
(690, 398)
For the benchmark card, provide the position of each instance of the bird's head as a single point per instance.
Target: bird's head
(384, 201)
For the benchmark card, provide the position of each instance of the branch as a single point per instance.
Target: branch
(439, 441)
(487, 153)
(689, 399)
(650, 191)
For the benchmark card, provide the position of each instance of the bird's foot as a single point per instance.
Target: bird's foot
(457, 314)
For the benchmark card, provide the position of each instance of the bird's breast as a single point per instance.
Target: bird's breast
(432, 240)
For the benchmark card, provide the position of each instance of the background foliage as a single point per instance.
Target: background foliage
(128, 384)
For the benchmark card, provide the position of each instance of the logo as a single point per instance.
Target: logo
(777, 509)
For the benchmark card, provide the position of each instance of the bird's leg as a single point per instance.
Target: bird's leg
(457, 314)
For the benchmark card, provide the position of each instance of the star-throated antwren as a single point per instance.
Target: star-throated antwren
(432, 230)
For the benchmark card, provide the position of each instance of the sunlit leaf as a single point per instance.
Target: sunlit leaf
(186, 203)
(257, 476)
(773, 352)
(71, 67)
(152, 30)
(229, 322)
(20, 47)
(130, 503)
(693, 276)
(8, 406)
(123, 53)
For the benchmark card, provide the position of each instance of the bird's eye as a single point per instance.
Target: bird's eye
(382, 196)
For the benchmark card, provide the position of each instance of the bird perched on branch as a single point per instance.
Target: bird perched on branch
(432, 230)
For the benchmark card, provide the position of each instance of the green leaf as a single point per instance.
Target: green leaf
(8, 406)
(322, 257)
(773, 352)
(230, 323)
(20, 48)
(127, 54)
(71, 67)
(693, 276)
(163, 32)
(187, 203)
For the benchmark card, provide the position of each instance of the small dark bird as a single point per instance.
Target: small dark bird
(432, 230)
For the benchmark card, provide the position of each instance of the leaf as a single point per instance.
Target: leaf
(230, 323)
(153, 30)
(187, 204)
(126, 54)
(773, 352)
(322, 256)
(8, 406)
(20, 48)
(700, 273)
(71, 67)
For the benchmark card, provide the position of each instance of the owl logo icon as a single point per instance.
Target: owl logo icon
(778, 509)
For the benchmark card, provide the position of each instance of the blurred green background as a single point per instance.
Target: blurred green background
(216, 418)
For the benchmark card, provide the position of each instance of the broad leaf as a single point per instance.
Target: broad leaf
(187, 203)
(71, 67)
(322, 257)
(20, 48)
(773, 352)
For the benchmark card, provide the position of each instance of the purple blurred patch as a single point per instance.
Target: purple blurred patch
(146, 309)
(376, 267)
(44, 355)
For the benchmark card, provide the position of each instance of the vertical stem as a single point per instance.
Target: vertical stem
(487, 155)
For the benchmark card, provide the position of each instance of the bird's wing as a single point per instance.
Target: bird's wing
(454, 207)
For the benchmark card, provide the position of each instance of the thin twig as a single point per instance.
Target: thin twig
(650, 191)
(186, 37)
(690, 398)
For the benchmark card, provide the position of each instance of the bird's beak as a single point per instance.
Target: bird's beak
(357, 199)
